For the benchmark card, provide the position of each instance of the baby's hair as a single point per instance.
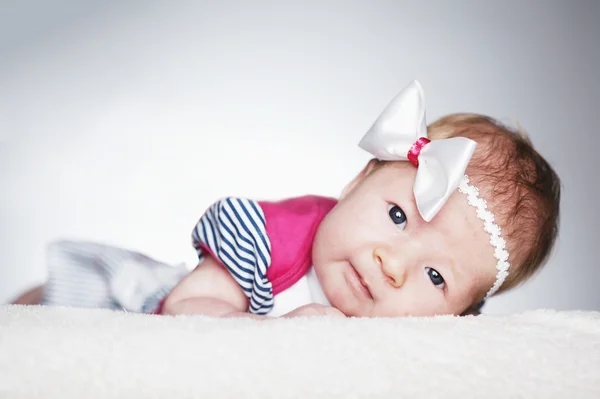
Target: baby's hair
(520, 186)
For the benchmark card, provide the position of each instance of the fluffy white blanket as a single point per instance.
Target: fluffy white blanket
(81, 353)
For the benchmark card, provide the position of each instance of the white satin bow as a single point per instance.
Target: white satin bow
(441, 163)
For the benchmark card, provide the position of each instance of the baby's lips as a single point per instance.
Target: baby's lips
(362, 280)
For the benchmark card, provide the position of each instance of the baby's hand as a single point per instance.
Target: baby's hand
(314, 309)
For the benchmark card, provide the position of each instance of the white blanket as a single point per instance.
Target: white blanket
(82, 353)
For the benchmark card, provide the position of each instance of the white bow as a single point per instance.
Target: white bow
(441, 164)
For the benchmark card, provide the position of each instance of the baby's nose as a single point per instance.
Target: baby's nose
(392, 266)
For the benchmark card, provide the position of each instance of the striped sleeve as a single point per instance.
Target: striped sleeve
(234, 231)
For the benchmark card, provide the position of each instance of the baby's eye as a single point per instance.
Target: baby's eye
(435, 277)
(397, 215)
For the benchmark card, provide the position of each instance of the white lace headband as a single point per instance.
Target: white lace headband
(489, 225)
(400, 133)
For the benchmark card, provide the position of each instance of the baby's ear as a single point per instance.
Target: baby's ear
(370, 167)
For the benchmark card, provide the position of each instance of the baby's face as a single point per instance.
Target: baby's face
(375, 256)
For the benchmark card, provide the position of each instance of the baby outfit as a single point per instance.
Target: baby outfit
(266, 246)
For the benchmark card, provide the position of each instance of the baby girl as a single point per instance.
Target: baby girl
(442, 218)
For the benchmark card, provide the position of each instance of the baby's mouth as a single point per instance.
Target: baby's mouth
(358, 283)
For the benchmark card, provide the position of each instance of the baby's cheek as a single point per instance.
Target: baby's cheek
(340, 300)
(331, 283)
(326, 239)
(321, 243)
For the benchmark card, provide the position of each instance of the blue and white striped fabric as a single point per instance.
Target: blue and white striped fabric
(91, 275)
(234, 229)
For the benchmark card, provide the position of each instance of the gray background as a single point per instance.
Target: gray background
(121, 121)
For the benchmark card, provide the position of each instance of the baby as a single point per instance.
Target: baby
(442, 218)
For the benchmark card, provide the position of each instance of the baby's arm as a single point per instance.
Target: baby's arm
(208, 290)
